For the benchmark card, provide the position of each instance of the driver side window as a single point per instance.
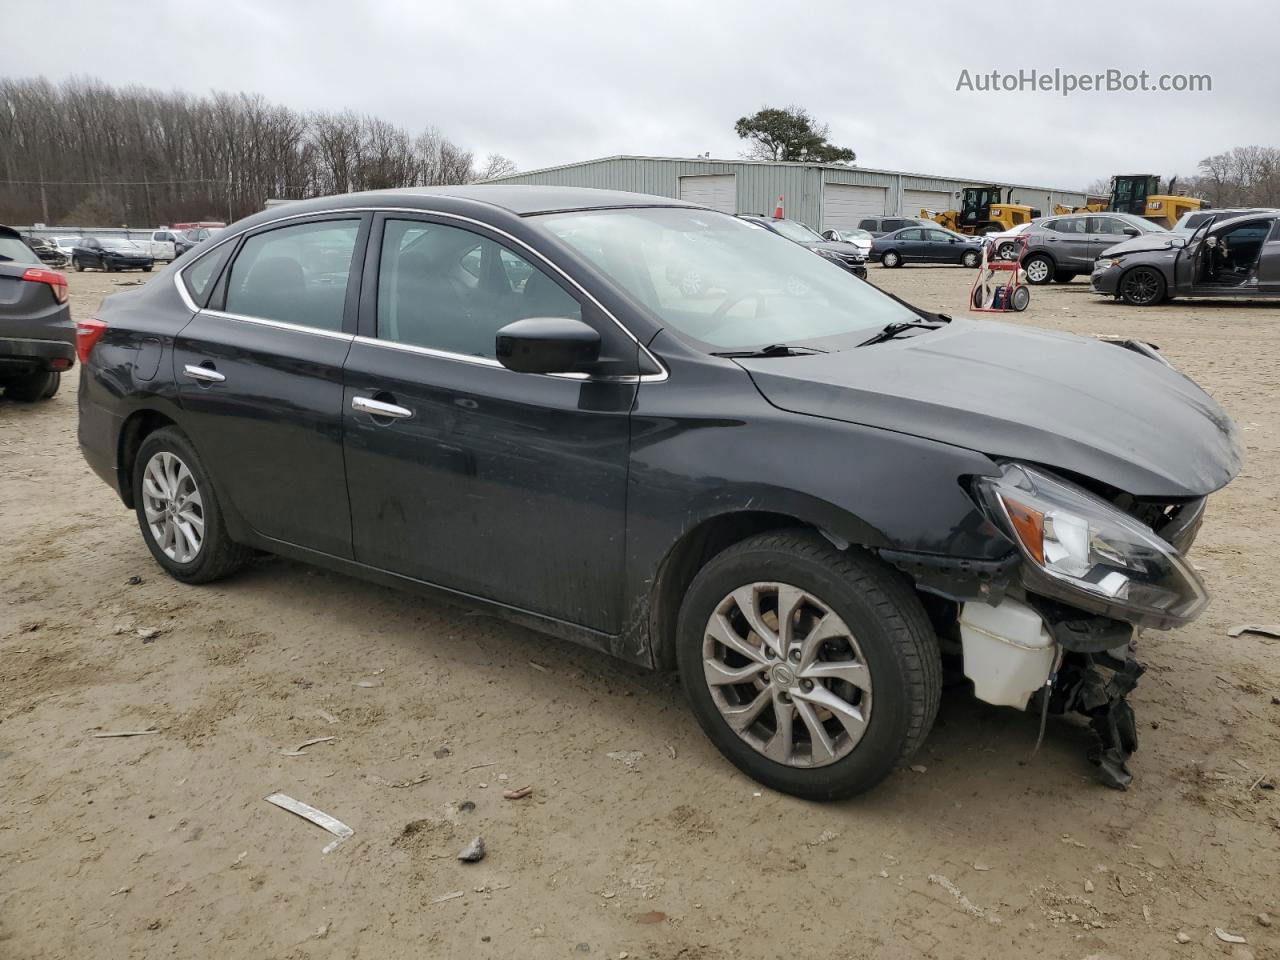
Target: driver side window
(449, 289)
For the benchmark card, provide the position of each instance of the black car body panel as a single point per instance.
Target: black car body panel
(36, 332)
(567, 504)
(1164, 436)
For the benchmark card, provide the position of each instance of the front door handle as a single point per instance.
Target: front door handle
(377, 408)
(203, 374)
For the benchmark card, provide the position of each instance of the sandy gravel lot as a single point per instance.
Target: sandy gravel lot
(162, 845)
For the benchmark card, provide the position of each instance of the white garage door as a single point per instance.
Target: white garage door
(844, 204)
(913, 201)
(719, 191)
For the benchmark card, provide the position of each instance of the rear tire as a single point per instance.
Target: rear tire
(184, 498)
(880, 636)
(1039, 269)
(33, 386)
(970, 259)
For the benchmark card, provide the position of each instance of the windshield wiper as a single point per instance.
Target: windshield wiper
(772, 350)
(898, 326)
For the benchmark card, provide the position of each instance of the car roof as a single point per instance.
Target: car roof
(9, 232)
(521, 199)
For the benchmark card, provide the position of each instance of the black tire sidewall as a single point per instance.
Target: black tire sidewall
(1161, 289)
(881, 746)
(32, 387)
(970, 259)
(174, 441)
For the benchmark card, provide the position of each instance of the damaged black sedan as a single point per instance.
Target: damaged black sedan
(798, 491)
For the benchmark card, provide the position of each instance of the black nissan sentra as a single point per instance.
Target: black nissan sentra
(801, 493)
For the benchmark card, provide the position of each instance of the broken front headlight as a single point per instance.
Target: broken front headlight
(1085, 552)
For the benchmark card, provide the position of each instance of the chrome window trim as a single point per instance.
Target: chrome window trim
(412, 212)
(280, 324)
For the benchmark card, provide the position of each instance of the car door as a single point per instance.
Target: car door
(911, 244)
(1105, 232)
(1068, 243)
(467, 475)
(944, 247)
(259, 377)
(1269, 262)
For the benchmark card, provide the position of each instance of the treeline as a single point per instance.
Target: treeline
(1241, 177)
(86, 153)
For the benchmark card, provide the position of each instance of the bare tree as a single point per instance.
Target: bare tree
(494, 165)
(83, 150)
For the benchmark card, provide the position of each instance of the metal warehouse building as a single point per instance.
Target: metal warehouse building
(826, 196)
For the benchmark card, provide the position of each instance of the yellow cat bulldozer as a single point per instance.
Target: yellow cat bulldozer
(1140, 195)
(983, 210)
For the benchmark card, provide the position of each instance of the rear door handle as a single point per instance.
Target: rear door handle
(377, 408)
(203, 374)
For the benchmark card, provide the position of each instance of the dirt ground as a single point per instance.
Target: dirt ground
(638, 840)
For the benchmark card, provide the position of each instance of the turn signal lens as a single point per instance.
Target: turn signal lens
(1028, 524)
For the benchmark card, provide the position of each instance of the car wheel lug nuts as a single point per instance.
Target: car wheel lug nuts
(806, 685)
(795, 656)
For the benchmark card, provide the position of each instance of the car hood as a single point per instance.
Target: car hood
(1064, 401)
(1145, 243)
(836, 246)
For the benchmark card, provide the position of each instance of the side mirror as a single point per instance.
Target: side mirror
(1177, 241)
(1130, 231)
(547, 345)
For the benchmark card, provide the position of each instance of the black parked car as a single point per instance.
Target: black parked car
(781, 481)
(37, 338)
(1232, 256)
(926, 245)
(47, 251)
(109, 253)
(842, 254)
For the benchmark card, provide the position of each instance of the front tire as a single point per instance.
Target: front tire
(33, 386)
(1142, 287)
(1039, 269)
(146, 269)
(1063, 276)
(825, 701)
(178, 511)
(891, 259)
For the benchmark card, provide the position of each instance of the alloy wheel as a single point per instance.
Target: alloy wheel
(1037, 271)
(174, 507)
(1141, 286)
(786, 674)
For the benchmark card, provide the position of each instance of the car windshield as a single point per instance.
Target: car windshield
(718, 280)
(125, 246)
(795, 231)
(14, 250)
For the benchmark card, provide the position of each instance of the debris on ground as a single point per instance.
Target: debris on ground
(539, 667)
(148, 634)
(1264, 629)
(473, 852)
(134, 581)
(450, 896)
(126, 733)
(967, 905)
(517, 794)
(628, 758)
(240, 859)
(478, 766)
(1264, 920)
(1228, 937)
(327, 717)
(1088, 886)
(1182, 937)
(298, 750)
(981, 866)
(466, 806)
(400, 784)
(318, 817)
(919, 768)
(651, 916)
(441, 751)
(119, 890)
(368, 684)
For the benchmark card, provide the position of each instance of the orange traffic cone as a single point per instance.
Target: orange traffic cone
(777, 211)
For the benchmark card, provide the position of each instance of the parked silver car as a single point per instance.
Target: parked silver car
(1062, 248)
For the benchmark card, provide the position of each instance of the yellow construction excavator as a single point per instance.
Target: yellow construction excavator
(983, 210)
(1140, 195)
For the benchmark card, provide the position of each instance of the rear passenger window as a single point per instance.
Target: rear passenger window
(868, 224)
(295, 274)
(200, 276)
(1067, 226)
(450, 289)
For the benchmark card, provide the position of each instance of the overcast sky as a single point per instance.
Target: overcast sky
(554, 82)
